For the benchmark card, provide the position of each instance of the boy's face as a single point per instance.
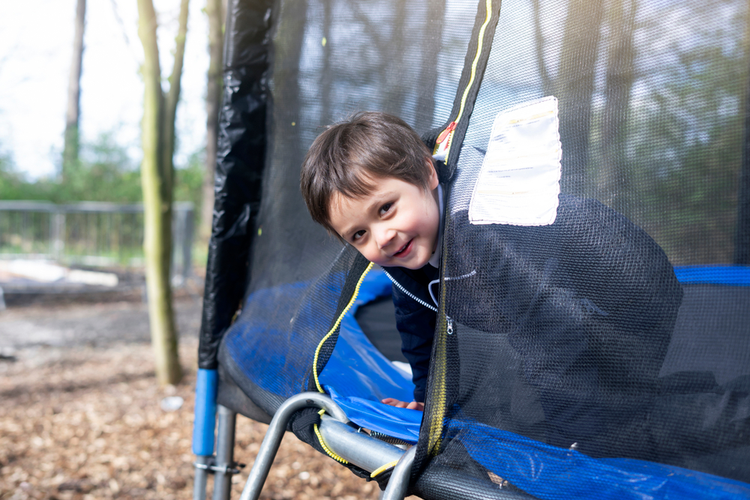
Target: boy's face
(395, 225)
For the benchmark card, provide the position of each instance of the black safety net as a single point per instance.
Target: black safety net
(601, 352)
(577, 333)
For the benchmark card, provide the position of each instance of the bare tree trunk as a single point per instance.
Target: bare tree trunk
(215, 11)
(547, 86)
(287, 81)
(428, 76)
(394, 68)
(614, 179)
(157, 181)
(742, 231)
(73, 112)
(326, 77)
(574, 87)
(170, 105)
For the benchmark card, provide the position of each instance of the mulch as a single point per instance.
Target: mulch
(86, 422)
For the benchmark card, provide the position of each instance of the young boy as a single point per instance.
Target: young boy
(371, 181)
(590, 286)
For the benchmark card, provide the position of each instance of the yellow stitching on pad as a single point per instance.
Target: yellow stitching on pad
(326, 448)
(336, 325)
(383, 468)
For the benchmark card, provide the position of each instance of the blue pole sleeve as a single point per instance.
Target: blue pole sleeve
(205, 412)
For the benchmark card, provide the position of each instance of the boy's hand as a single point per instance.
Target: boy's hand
(414, 405)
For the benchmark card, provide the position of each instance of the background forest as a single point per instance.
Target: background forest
(653, 99)
(103, 172)
(100, 166)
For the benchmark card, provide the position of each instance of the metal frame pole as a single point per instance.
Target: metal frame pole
(200, 478)
(398, 484)
(224, 468)
(275, 433)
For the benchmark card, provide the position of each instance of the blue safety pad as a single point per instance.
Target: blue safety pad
(540, 469)
(263, 350)
(277, 358)
(395, 422)
(713, 275)
(358, 376)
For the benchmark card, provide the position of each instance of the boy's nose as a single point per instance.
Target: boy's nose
(383, 237)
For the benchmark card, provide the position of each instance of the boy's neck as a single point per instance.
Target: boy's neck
(435, 259)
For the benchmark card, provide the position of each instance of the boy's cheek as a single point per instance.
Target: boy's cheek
(369, 255)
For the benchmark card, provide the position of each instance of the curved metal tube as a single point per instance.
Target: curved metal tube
(398, 484)
(357, 448)
(275, 433)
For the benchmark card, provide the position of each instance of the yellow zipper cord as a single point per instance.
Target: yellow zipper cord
(439, 365)
(325, 446)
(336, 325)
(438, 393)
(383, 468)
(475, 62)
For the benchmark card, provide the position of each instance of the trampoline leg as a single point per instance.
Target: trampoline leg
(398, 484)
(224, 468)
(201, 477)
(275, 433)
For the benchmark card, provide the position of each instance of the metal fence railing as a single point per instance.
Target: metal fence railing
(89, 233)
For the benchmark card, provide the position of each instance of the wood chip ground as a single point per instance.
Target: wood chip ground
(85, 422)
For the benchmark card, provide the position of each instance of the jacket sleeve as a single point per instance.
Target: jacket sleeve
(416, 324)
(588, 303)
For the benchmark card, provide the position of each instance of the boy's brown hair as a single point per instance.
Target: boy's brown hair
(350, 155)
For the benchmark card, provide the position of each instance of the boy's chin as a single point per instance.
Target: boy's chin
(413, 264)
(413, 267)
(406, 265)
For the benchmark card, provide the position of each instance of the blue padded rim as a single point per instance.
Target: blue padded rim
(205, 412)
(713, 275)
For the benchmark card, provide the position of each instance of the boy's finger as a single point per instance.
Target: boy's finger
(394, 402)
(390, 401)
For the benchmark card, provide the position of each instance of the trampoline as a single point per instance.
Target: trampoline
(297, 329)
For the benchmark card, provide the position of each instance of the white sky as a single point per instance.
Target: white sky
(36, 44)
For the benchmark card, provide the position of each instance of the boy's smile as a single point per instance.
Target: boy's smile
(395, 225)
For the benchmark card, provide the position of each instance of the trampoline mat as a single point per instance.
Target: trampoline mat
(378, 322)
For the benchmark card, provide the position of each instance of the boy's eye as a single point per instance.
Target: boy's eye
(385, 208)
(358, 235)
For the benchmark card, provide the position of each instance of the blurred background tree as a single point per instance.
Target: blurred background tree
(215, 12)
(157, 179)
(73, 111)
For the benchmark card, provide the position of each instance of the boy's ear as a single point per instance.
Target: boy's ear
(433, 180)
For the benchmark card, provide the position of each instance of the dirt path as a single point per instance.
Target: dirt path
(81, 415)
(91, 325)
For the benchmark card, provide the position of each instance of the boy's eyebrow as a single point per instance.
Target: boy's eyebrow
(378, 199)
(376, 202)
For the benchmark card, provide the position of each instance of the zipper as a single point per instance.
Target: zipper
(449, 328)
(408, 293)
(448, 278)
